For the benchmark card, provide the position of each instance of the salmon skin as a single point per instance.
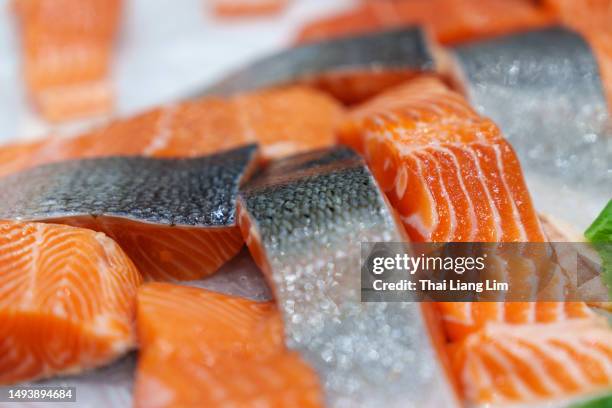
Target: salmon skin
(332, 64)
(205, 349)
(303, 219)
(67, 300)
(174, 217)
(543, 88)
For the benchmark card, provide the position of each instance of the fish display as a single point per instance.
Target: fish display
(351, 69)
(175, 218)
(451, 176)
(449, 21)
(67, 53)
(67, 300)
(303, 219)
(283, 121)
(201, 348)
(400, 124)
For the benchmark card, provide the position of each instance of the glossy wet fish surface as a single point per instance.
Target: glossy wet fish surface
(192, 192)
(304, 219)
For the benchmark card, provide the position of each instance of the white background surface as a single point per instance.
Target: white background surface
(166, 49)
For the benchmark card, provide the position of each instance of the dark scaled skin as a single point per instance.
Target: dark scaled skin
(304, 219)
(192, 192)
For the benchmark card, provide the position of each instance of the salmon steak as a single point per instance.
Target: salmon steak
(283, 121)
(201, 348)
(67, 54)
(450, 21)
(303, 219)
(67, 300)
(175, 218)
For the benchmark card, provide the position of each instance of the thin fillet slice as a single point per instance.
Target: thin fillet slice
(67, 53)
(201, 348)
(284, 121)
(67, 300)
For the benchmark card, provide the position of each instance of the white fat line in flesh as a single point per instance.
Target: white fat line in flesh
(401, 180)
(483, 182)
(449, 203)
(473, 220)
(520, 384)
(604, 361)
(530, 358)
(515, 212)
(108, 270)
(163, 131)
(482, 373)
(415, 220)
(39, 241)
(561, 356)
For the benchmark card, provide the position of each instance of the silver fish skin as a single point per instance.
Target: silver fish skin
(309, 215)
(189, 192)
(402, 49)
(543, 88)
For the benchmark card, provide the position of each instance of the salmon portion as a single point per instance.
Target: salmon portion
(240, 8)
(284, 121)
(450, 21)
(67, 53)
(201, 348)
(504, 364)
(448, 172)
(67, 300)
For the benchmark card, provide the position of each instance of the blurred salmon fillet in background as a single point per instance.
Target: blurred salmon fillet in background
(206, 349)
(241, 8)
(449, 21)
(284, 121)
(67, 53)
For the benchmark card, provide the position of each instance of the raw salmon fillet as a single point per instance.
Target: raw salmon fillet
(448, 172)
(67, 52)
(505, 364)
(284, 121)
(67, 300)
(450, 21)
(239, 8)
(201, 348)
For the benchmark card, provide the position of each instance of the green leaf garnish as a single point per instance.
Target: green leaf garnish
(600, 234)
(601, 402)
